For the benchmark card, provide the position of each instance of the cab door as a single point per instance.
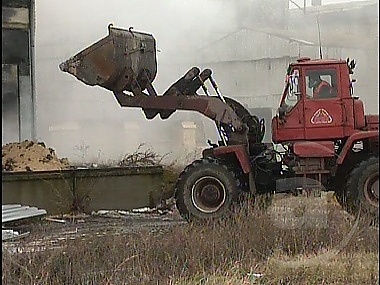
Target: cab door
(290, 125)
(323, 117)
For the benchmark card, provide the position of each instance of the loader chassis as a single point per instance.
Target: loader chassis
(326, 140)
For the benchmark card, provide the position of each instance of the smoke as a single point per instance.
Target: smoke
(73, 117)
(86, 123)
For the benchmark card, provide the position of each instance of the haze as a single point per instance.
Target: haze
(86, 123)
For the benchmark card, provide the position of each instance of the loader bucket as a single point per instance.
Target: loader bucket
(123, 60)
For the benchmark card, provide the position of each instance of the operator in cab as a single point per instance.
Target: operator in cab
(321, 88)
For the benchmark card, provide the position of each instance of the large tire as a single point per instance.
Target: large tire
(206, 190)
(362, 190)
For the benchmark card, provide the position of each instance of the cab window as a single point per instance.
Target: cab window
(321, 84)
(294, 89)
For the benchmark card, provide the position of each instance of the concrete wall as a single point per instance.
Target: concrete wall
(247, 44)
(57, 192)
(353, 29)
(250, 64)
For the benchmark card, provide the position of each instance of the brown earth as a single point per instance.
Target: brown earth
(31, 156)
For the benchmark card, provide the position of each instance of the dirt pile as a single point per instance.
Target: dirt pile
(31, 156)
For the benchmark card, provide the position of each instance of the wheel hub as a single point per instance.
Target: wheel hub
(371, 190)
(208, 194)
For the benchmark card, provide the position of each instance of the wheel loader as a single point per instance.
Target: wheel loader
(328, 142)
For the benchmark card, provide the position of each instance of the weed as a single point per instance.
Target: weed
(246, 248)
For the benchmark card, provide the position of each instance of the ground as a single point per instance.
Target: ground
(152, 246)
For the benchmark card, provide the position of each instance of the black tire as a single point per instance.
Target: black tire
(205, 190)
(362, 190)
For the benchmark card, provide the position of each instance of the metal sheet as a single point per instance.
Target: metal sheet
(15, 212)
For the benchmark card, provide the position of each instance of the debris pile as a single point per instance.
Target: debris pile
(31, 156)
(17, 212)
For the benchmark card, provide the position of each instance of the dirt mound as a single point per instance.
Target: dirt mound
(31, 156)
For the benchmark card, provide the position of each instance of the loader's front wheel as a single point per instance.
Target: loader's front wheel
(362, 191)
(206, 189)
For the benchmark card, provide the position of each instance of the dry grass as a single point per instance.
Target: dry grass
(247, 248)
(231, 251)
(141, 157)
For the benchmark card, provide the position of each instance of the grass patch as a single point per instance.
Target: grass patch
(247, 248)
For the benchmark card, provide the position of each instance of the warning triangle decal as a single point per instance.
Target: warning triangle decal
(321, 116)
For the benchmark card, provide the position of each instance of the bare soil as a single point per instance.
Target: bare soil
(31, 156)
(55, 232)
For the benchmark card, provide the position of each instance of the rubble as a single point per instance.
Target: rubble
(9, 234)
(31, 156)
(16, 212)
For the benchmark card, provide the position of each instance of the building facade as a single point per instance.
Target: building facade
(248, 60)
(18, 97)
(250, 63)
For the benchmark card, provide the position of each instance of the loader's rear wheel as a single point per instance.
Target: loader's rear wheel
(206, 189)
(362, 191)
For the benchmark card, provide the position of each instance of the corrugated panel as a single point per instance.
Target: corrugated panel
(14, 212)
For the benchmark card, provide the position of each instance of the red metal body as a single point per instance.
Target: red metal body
(325, 120)
(314, 149)
(240, 152)
(371, 135)
(302, 120)
(326, 138)
(372, 122)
